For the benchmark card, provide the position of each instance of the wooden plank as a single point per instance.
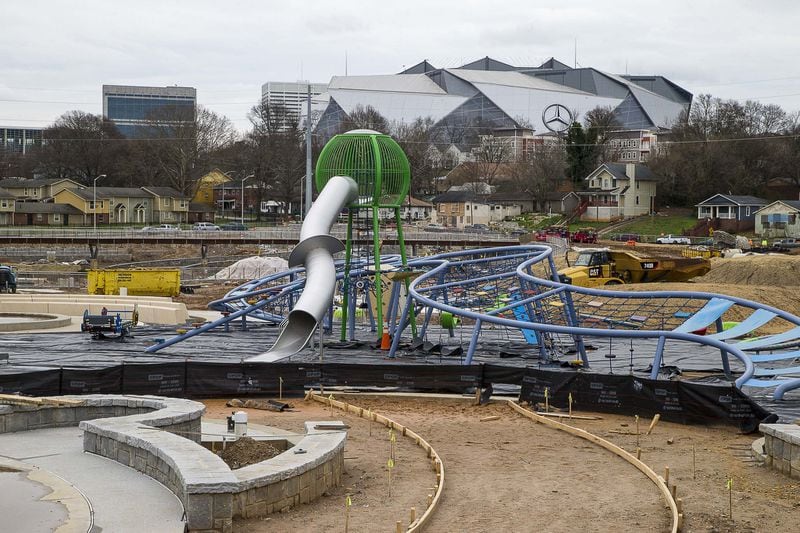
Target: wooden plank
(32, 400)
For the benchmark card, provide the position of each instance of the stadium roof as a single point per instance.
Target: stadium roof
(491, 94)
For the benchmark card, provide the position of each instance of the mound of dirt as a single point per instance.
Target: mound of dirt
(253, 268)
(247, 451)
(773, 270)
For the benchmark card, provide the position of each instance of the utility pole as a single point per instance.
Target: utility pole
(308, 154)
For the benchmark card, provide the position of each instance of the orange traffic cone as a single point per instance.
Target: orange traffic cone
(386, 341)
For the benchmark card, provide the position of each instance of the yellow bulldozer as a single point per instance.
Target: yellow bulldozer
(596, 267)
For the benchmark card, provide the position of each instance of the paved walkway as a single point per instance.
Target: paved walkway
(121, 498)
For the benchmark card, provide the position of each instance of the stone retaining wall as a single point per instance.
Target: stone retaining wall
(160, 437)
(782, 447)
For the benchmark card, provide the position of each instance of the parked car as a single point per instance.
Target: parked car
(205, 226)
(435, 227)
(673, 239)
(234, 226)
(161, 228)
(477, 228)
(786, 243)
(625, 237)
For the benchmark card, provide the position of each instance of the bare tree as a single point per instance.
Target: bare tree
(183, 147)
(80, 146)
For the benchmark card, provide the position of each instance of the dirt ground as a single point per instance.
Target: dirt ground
(514, 475)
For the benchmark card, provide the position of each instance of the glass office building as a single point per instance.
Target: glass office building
(18, 139)
(133, 109)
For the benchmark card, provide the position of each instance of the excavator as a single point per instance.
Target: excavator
(597, 267)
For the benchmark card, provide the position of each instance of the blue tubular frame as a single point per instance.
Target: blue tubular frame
(485, 270)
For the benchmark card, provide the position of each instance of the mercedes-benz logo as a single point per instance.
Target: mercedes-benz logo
(557, 118)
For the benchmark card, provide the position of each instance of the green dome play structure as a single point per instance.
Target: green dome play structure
(374, 160)
(380, 168)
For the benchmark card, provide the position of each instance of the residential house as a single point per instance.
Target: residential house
(89, 203)
(412, 209)
(169, 205)
(617, 191)
(36, 189)
(779, 219)
(511, 202)
(729, 212)
(7, 201)
(462, 208)
(46, 214)
(204, 193)
(560, 203)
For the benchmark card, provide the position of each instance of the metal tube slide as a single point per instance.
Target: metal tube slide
(315, 251)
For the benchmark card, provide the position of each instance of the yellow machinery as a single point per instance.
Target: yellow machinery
(150, 282)
(595, 267)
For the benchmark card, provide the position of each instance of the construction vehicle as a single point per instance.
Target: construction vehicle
(8, 279)
(596, 267)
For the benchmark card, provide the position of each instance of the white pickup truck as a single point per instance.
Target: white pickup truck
(673, 239)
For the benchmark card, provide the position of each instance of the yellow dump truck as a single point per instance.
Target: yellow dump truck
(138, 282)
(595, 267)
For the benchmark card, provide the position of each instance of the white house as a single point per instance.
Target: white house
(617, 191)
(779, 219)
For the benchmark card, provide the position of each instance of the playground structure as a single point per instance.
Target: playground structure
(513, 288)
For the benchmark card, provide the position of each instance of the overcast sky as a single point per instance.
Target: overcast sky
(57, 54)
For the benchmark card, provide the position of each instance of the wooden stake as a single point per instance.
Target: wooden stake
(280, 388)
(399, 527)
(369, 414)
(637, 431)
(478, 396)
(489, 418)
(430, 500)
(389, 466)
(694, 463)
(674, 491)
(347, 503)
(679, 504)
(653, 424)
(546, 399)
(639, 453)
(666, 475)
(570, 405)
(413, 515)
(730, 498)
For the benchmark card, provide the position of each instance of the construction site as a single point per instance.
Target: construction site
(406, 391)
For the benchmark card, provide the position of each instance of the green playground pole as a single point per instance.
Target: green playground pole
(348, 252)
(401, 241)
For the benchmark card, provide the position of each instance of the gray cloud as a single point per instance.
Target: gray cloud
(64, 51)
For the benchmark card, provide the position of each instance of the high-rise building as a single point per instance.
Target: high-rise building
(291, 95)
(19, 139)
(132, 109)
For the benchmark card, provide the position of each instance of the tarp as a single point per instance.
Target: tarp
(676, 401)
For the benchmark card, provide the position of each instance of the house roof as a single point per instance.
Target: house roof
(46, 207)
(416, 202)
(618, 170)
(111, 192)
(16, 183)
(6, 193)
(457, 197)
(727, 199)
(166, 192)
(792, 204)
(558, 195)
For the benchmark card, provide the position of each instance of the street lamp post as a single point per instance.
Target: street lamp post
(94, 201)
(243, 180)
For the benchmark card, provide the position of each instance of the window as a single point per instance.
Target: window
(637, 199)
(792, 219)
(56, 217)
(182, 204)
(637, 184)
(39, 217)
(747, 211)
(165, 202)
(3, 203)
(765, 219)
